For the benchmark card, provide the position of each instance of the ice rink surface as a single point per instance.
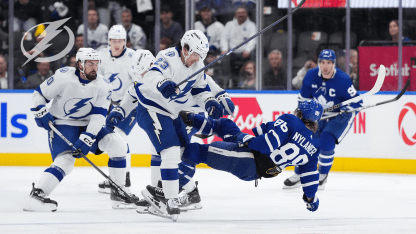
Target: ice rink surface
(350, 203)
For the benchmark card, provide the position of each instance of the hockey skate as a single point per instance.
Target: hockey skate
(191, 200)
(38, 202)
(104, 187)
(120, 200)
(292, 182)
(323, 179)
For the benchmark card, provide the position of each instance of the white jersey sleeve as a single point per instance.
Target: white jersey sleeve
(215, 89)
(129, 101)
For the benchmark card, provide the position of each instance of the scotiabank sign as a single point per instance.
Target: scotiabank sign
(371, 57)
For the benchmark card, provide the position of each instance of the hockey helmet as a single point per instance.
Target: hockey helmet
(141, 61)
(311, 110)
(197, 42)
(327, 55)
(84, 54)
(117, 32)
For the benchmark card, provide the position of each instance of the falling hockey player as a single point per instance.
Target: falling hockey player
(329, 86)
(78, 110)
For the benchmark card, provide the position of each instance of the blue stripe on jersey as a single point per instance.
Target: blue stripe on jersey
(169, 174)
(56, 171)
(155, 69)
(146, 101)
(122, 53)
(40, 91)
(156, 160)
(98, 111)
(117, 162)
(196, 91)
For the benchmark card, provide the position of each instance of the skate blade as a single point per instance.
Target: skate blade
(196, 206)
(159, 206)
(104, 190)
(292, 187)
(37, 206)
(122, 205)
(155, 212)
(321, 187)
(142, 210)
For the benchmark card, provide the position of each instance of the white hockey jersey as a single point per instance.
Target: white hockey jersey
(168, 64)
(212, 31)
(137, 37)
(76, 102)
(118, 71)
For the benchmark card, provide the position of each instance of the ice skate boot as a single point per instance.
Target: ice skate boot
(142, 206)
(120, 200)
(191, 200)
(104, 187)
(323, 179)
(38, 202)
(292, 182)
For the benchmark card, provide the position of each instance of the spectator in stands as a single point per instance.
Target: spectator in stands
(52, 10)
(236, 32)
(354, 68)
(210, 27)
(170, 31)
(215, 71)
(276, 76)
(341, 60)
(134, 31)
(26, 15)
(3, 73)
(394, 31)
(298, 79)
(106, 9)
(79, 43)
(72, 61)
(43, 73)
(97, 32)
(248, 75)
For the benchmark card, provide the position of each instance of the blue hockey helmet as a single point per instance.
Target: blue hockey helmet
(311, 110)
(327, 55)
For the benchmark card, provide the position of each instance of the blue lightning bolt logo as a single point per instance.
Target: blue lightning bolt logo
(112, 78)
(50, 32)
(156, 124)
(77, 107)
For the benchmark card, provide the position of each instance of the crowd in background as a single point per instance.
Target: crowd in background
(227, 23)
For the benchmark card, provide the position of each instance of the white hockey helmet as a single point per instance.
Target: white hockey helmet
(84, 54)
(197, 42)
(141, 61)
(117, 32)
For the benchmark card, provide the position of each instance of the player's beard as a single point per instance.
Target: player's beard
(91, 76)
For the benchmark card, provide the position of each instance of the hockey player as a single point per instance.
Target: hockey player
(80, 102)
(159, 102)
(329, 86)
(116, 67)
(285, 142)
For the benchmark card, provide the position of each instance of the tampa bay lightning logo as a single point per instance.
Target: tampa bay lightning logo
(116, 81)
(170, 54)
(77, 108)
(185, 90)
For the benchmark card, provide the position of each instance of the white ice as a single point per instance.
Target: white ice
(350, 203)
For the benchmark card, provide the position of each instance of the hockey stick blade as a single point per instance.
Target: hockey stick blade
(89, 161)
(406, 86)
(375, 89)
(244, 42)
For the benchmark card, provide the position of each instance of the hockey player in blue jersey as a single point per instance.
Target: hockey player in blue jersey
(285, 142)
(78, 110)
(329, 86)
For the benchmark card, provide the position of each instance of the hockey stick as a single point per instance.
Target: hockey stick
(375, 89)
(244, 42)
(374, 104)
(91, 163)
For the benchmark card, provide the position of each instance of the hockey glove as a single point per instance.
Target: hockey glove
(42, 117)
(243, 139)
(167, 87)
(83, 144)
(115, 117)
(224, 99)
(344, 116)
(213, 108)
(313, 205)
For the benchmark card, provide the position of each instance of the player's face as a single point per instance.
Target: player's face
(116, 46)
(192, 59)
(327, 68)
(91, 68)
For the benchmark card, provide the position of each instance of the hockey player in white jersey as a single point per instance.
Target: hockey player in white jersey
(116, 67)
(78, 110)
(159, 102)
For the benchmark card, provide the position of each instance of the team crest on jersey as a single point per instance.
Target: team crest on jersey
(77, 108)
(63, 70)
(170, 54)
(50, 80)
(130, 55)
(184, 91)
(115, 81)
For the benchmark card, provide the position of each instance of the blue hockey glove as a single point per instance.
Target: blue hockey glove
(344, 116)
(83, 144)
(213, 108)
(167, 87)
(224, 99)
(42, 117)
(243, 139)
(311, 206)
(115, 117)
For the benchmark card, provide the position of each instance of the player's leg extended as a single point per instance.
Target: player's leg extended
(332, 133)
(155, 162)
(62, 165)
